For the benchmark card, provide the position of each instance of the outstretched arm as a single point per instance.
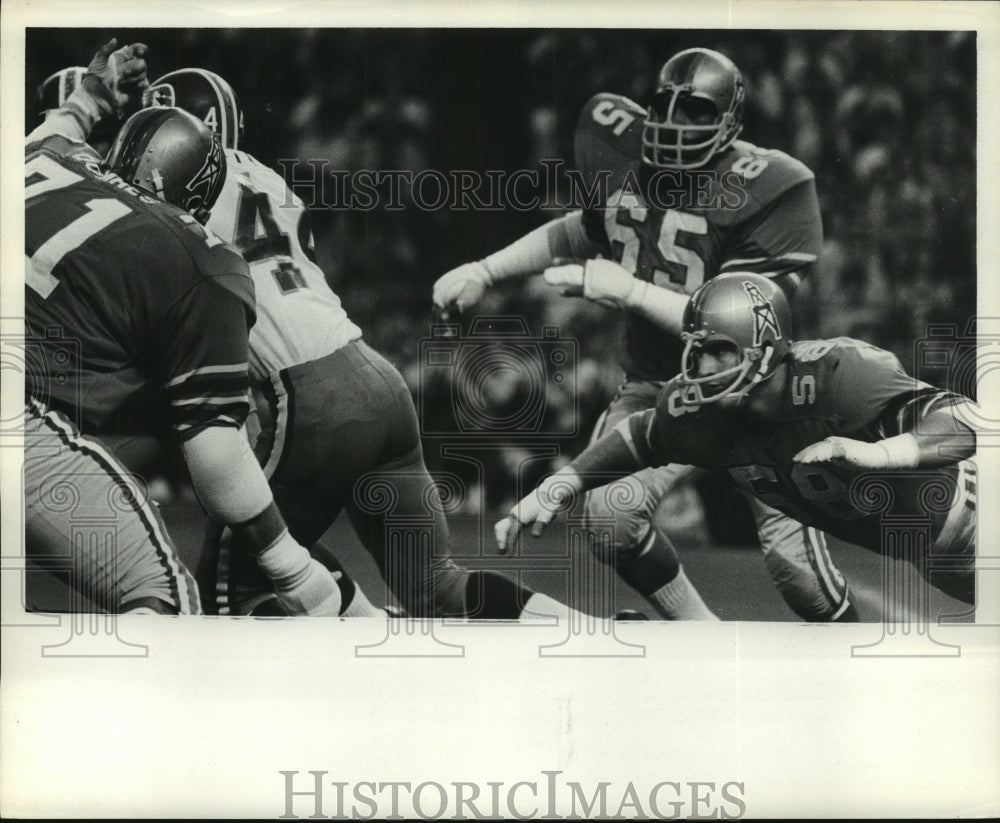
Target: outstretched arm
(462, 288)
(607, 283)
(611, 458)
(933, 433)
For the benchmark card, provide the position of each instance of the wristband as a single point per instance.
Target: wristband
(262, 532)
(901, 452)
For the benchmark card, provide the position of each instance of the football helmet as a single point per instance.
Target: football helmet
(746, 314)
(205, 95)
(57, 87)
(696, 111)
(172, 154)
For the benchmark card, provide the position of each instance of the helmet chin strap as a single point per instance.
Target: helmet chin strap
(759, 377)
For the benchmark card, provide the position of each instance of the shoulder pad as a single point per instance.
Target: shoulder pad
(843, 351)
(262, 178)
(766, 173)
(609, 135)
(60, 145)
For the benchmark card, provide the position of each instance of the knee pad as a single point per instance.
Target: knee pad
(618, 517)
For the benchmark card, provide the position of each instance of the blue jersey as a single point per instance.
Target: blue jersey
(837, 387)
(136, 316)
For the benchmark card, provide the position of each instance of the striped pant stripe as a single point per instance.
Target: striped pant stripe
(182, 585)
(832, 582)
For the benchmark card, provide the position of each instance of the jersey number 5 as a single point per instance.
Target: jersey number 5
(43, 174)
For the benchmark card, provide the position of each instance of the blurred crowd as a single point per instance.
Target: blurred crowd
(886, 120)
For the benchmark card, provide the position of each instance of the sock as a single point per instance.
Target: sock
(655, 564)
(848, 615)
(360, 606)
(679, 600)
(541, 605)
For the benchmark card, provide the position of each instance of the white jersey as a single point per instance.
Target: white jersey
(299, 318)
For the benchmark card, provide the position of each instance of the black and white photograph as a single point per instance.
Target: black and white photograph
(516, 412)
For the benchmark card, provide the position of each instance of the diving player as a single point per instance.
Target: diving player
(158, 309)
(678, 200)
(337, 416)
(798, 425)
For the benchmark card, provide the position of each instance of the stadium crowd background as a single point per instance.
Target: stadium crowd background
(886, 120)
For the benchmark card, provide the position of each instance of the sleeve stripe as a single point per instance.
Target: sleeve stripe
(237, 397)
(219, 419)
(623, 429)
(240, 368)
(794, 256)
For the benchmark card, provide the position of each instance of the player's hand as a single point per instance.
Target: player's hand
(845, 452)
(315, 593)
(117, 76)
(602, 281)
(555, 494)
(461, 288)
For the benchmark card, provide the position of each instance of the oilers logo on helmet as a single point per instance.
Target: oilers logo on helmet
(764, 319)
(746, 314)
(206, 184)
(173, 154)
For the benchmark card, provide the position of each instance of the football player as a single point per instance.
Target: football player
(159, 309)
(336, 416)
(798, 425)
(680, 200)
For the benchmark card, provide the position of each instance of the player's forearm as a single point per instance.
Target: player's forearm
(75, 119)
(232, 488)
(563, 237)
(941, 438)
(610, 458)
(661, 306)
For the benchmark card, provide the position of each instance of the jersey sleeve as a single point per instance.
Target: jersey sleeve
(201, 343)
(782, 241)
(65, 130)
(869, 388)
(606, 147)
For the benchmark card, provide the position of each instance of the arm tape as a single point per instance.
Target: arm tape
(74, 119)
(531, 254)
